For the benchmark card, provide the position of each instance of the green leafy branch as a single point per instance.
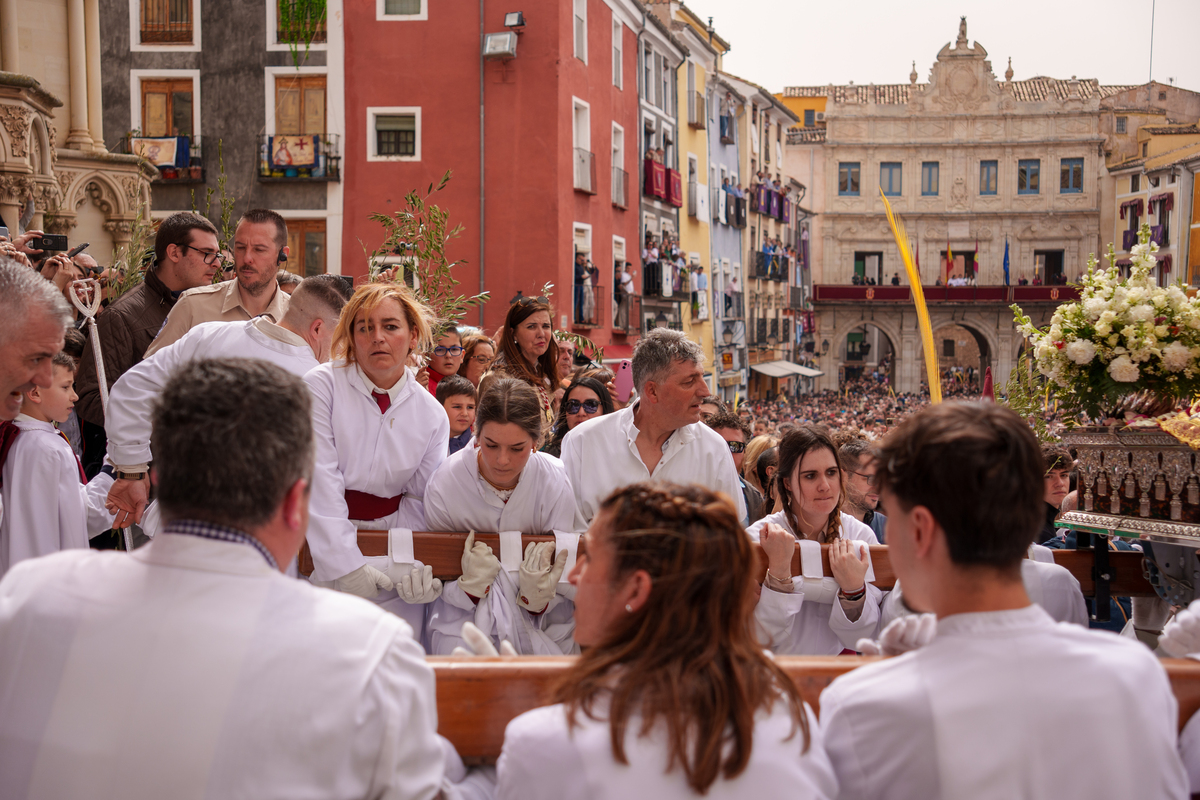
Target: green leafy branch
(300, 22)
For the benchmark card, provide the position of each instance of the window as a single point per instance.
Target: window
(300, 104)
(947, 348)
(401, 9)
(297, 20)
(1145, 149)
(581, 30)
(848, 178)
(889, 178)
(1135, 183)
(394, 134)
(618, 54)
(1162, 95)
(581, 135)
(1029, 176)
(1070, 176)
(667, 96)
(648, 70)
(654, 93)
(929, 178)
(620, 178)
(810, 118)
(306, 247)
(167, 108)
(1121, 123)
(166, 21)
(988, 171)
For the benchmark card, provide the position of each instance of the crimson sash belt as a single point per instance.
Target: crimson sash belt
(360, 505)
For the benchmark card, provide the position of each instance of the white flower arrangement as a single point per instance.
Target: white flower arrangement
(1123, 336)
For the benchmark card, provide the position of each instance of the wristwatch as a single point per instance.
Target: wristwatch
(129, 476)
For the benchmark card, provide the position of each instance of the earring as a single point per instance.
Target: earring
(629, 608)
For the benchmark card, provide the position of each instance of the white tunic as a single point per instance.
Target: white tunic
(601, 456)
(1049, 585)
(457, 499)
(127, 422)
(999, 706)
(796, 627)
(1189, 751)
(544, 759)
(192, 669)
(46, 508)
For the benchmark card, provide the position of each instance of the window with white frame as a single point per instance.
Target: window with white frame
(618, 50)
(394, 133)
(581, 29)
(166, 103)
(401, 9)
(620, 178)
(581, 134)
(164, 25)
(648, 75)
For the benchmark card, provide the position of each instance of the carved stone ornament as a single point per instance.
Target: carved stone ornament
(65, 179)
(16, 188)
(16, 121)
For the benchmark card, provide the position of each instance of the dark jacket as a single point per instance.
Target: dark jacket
(127, 327)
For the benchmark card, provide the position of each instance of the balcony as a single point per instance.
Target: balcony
(620, 188)
(733, 305)
(760, 264)
(166, 22)
(727, 129)
(796, 298)
(591, 303)
(693, 200)
(1158, 235)
(628, 322)
(654, 182)
(1128, 240)
(296, 158)
(179, 159)
(585, 171)
(829, 293)
(697, 111)
(675, 188)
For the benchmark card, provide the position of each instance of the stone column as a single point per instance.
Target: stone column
(78, 138)
(10, 43)
(95, 103)
(11, 202)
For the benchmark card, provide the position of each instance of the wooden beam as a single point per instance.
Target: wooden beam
(443, 551)
(478, 697)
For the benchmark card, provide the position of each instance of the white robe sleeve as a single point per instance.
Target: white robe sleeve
(776, 614)
(1189, 751)
(99, 519)
(332, 538)
(127, 421)
(414, 490)
(439, 499)
(573, 463)
(562, 510)
(539, 760)
(850, 632)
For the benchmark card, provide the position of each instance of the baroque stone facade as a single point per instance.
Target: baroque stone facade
(969, 162)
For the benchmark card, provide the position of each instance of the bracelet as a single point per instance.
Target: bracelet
(777, 578)
(853, 596)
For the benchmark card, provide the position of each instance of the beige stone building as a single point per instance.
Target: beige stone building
(54, 169)
(969, 161)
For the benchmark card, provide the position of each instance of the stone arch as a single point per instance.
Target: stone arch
(41, 148)
(881, 322)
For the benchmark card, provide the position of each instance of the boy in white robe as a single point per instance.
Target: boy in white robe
(971, 714)
(48, 504)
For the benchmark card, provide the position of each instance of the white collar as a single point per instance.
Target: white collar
(25, 421)
(991, 622)
(277, 332)
(392, 393)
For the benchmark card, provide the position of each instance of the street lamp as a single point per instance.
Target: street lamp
(661, 320)
(727, 333)
(825, 347)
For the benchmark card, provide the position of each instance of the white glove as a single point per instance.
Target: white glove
(419, 586)
(480, 644)
(479, 568)
(366, 581)
(1181, 636)
(538, 577)
(901, 635)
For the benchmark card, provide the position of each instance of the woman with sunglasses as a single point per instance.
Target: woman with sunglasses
(528, 351)
(478, 354)
(445, 358)
(584, 399)
(814, 616)
(672, 696)
(504, 484)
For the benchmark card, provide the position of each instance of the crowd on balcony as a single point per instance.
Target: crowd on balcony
(665, 264)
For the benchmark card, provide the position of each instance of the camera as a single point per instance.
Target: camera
(53, 241)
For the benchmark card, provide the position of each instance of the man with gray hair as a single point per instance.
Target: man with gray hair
(33, 320)
(227, 642)
(658, 437)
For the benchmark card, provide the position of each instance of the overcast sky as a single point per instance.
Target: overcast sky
(778, 43)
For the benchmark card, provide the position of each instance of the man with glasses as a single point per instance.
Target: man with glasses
(736, 433)
(259, 248)
(862, 493)
(182, 260)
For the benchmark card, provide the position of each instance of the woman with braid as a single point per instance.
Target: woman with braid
(814, 616)
(672, 696)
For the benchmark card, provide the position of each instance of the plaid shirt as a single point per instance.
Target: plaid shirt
(220, 533)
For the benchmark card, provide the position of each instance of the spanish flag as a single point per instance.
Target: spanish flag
(949, 261)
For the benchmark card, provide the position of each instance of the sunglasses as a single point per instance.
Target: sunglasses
(737, 447)
(453, 351)
(530, 301)
(588, 406)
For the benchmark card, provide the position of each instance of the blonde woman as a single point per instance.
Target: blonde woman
(754, 449)
(379, 435)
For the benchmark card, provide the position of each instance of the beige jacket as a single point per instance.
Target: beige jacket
(220, 302)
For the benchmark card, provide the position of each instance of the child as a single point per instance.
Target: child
(48, 506)
(445, 359)
(457, 396)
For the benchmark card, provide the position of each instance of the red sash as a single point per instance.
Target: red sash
(363, 506)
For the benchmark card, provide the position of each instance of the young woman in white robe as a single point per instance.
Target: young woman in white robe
(810, 616)
(380, 436)
(504, 484)
(671, 671)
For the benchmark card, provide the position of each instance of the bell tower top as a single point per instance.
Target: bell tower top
(961, 42)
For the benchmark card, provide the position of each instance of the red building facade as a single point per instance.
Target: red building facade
(560, 137)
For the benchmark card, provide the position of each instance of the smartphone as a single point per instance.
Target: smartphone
(624, 380)
(4, 231)
(77, 249)
(52, 241)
